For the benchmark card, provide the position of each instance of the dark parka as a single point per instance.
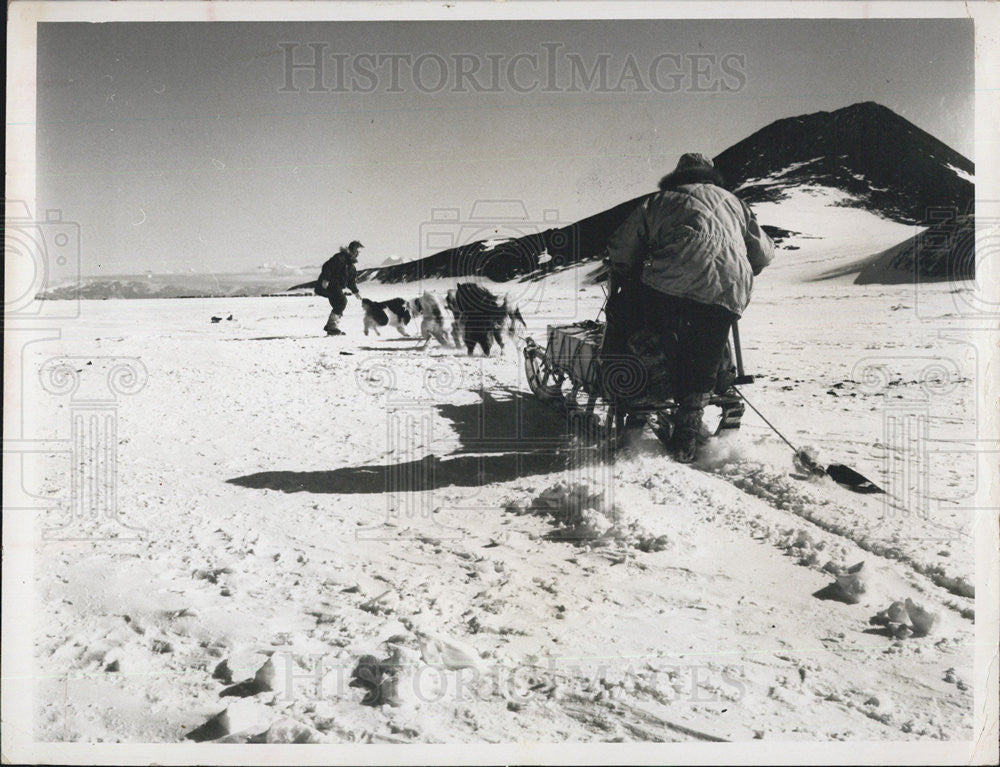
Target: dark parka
(337, 274)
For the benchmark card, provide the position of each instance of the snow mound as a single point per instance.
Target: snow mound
(587, 519)
(903, 619)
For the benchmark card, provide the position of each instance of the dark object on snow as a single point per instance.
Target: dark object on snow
(845, 475)
(377, 678)
(244, 689)
(480, 317)
(838, 472)
(223, 673)
(216, 319)
(213, 729)
(906, 176)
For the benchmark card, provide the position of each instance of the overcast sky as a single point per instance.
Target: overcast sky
(181, 147)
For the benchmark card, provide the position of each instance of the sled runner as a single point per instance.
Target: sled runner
(599, 392)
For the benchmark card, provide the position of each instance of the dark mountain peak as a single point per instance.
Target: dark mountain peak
(869, 115)
(861, 110)
(885, 162)
(871, 108)
(864, 115)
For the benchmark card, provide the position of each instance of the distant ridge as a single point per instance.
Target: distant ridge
(581, 241)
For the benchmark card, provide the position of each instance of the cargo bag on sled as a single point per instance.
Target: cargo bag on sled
(640, 370)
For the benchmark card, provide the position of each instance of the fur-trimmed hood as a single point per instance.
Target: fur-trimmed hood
(696, 175)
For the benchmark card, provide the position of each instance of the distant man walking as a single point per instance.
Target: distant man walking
(694, 248)
(338, 274)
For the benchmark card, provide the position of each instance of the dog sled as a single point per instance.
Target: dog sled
(599, 392)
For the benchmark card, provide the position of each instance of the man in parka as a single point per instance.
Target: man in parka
(694, 249)
(338, 274)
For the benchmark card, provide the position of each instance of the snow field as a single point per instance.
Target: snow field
(311, 501)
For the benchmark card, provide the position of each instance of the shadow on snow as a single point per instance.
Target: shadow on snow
(500, 439)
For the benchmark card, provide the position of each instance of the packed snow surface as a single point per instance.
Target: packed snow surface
(354, 540)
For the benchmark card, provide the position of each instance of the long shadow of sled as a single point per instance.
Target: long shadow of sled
(500, 439)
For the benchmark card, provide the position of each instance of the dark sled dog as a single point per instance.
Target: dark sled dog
(481, 319)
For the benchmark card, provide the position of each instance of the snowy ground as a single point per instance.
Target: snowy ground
(306, 501)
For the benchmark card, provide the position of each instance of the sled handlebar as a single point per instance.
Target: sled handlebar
(741, 376)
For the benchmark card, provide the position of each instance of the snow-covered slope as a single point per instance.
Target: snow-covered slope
(819, 230)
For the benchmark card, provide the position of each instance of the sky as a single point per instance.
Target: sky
(183, 147)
